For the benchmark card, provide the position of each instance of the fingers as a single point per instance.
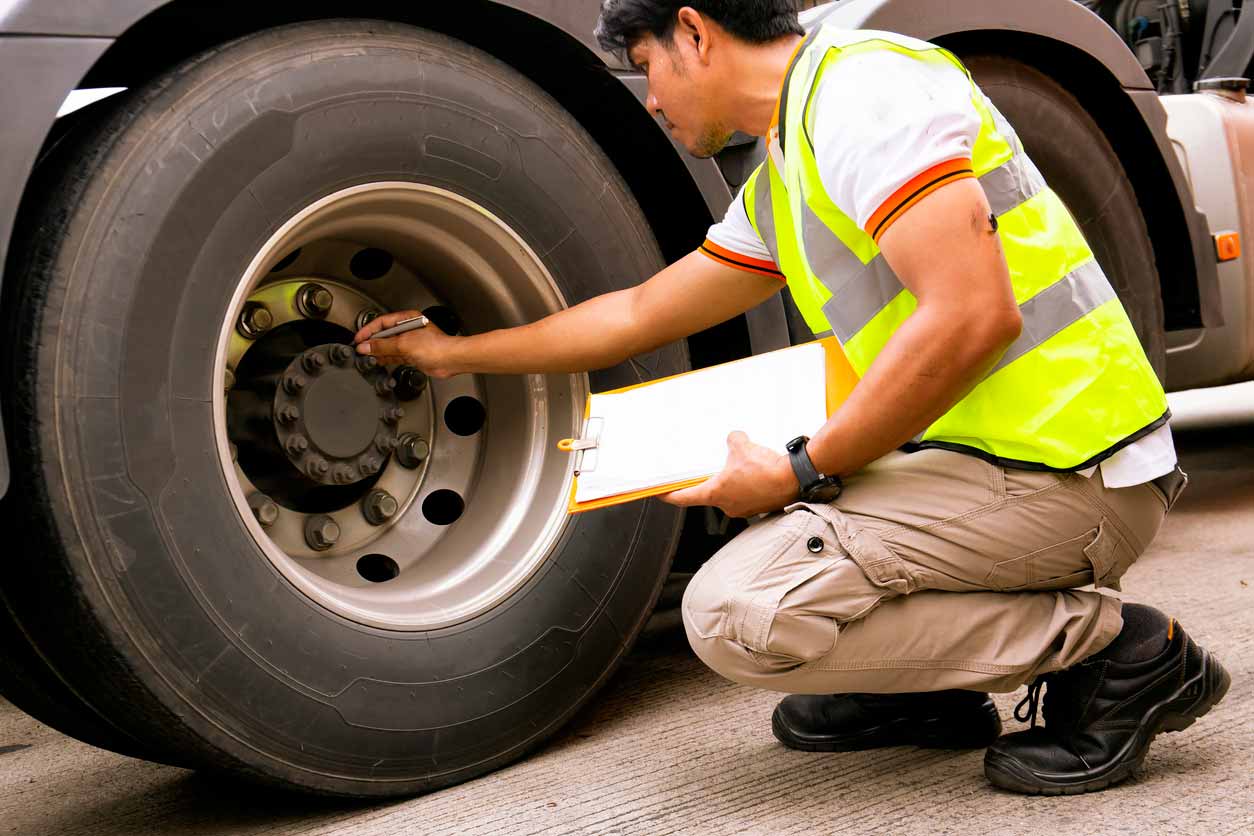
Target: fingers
(377, 324)
(387, 347)
(699, 495)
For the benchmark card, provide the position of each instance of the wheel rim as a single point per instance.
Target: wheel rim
(384, 535)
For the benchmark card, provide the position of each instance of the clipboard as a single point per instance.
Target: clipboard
(839, 379)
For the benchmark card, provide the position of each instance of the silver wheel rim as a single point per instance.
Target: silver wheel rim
(512, 480)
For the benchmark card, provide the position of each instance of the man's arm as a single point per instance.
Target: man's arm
(691, 295)
(946, 253)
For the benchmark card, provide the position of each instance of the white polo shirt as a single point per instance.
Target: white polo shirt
(889, 130)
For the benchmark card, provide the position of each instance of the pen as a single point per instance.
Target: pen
(402, 327)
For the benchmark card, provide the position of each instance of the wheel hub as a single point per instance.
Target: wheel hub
(388, 498)
(336, 415)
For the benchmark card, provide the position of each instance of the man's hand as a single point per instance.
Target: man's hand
(426, 349)
(755, 480)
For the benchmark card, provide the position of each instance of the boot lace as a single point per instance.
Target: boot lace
(1059, 709)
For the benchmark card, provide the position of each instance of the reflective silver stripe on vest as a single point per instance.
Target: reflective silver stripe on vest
(1063, 303)
(860, 293)
(1012, 184)
(764, 212)
(860, 300)
(832, 262)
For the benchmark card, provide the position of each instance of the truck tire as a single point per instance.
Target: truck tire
(1081, 166)
(173, 564)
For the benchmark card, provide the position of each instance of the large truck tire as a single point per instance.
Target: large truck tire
(398, 601)
(1081, 166)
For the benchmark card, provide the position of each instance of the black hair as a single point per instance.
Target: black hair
(624, 22)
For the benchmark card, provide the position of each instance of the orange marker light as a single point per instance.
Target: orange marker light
(1228, 246)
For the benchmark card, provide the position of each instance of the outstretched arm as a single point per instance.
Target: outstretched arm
(691, 295)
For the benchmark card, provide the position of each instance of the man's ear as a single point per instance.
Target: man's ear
(692, 31)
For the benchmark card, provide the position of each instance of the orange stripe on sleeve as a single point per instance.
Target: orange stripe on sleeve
(914, 191)
(741, 262)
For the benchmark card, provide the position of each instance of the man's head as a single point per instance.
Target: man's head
(688, 51)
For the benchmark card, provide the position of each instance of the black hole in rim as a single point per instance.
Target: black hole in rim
(377, 568)
(443, 507)
(465, 415)
(371, 264)
(444, 318)
(288, 261)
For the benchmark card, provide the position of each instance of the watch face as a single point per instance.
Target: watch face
(823, 492)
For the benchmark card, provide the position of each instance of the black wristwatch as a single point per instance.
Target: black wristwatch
(815, 487)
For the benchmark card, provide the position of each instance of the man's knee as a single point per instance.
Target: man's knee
(746, 613)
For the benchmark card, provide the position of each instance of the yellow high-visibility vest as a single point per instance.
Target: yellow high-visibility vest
(1072, 390)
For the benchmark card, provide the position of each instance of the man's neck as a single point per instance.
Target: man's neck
(760, 71)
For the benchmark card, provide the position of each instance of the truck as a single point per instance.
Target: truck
(232, 545)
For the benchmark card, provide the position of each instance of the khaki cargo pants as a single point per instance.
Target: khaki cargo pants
(933, 570)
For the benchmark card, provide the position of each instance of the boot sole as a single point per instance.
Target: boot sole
(1200, 693)
(932, 733)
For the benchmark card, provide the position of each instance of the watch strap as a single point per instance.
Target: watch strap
(799, 458)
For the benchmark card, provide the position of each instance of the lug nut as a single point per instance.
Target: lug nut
(366, 363)
(313, 363)
(294, 383)
(297, 445)
(264, 509)
(410, 383)
(412, 450)
(341, 355)
(384, 386)
(289, 414)
(317, 467)
(393, 415)
(378, 507)
(321, 532)
(343, 475)
(314, 301)
(366, 317)
(254, 320)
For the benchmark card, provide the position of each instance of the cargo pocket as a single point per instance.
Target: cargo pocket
(734, 569)
(1110, 556)
(1064, 565)
(778, 635)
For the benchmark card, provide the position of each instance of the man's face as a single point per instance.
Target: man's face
(683, 93)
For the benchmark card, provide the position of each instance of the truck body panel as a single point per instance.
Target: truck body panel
(1214, 138)
(38, 73)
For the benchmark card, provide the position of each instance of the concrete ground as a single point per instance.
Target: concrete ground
(670, 748)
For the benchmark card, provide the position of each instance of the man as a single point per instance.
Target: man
(906, 218)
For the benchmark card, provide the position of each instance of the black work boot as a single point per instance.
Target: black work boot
(1101, 715)
(849, 722)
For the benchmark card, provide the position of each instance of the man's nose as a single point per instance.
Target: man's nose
(652, 104)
